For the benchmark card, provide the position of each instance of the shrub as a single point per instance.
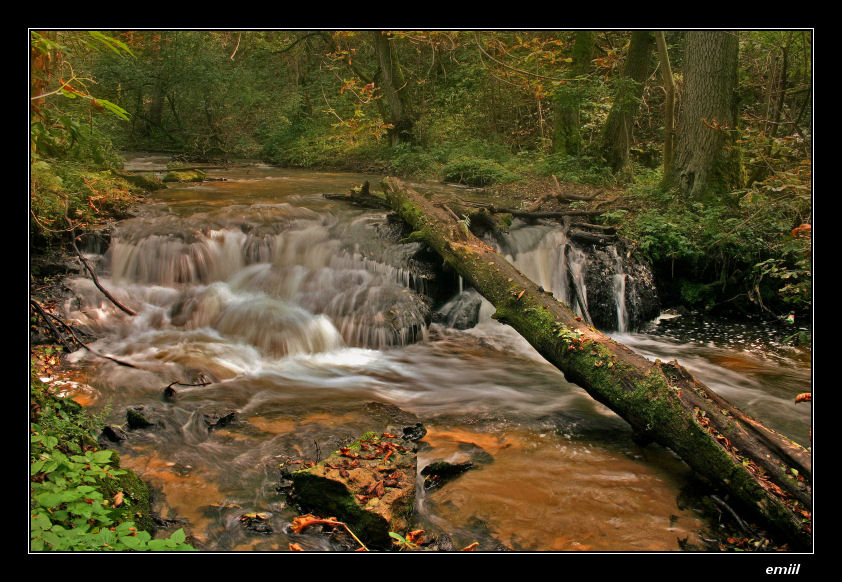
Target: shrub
(476, 172)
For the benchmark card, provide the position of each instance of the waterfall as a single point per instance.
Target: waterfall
(551, 259)
(619, 281)
(548, 257)
(290, 287)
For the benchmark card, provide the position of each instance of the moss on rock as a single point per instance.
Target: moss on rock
(185, 176)
(370, 485)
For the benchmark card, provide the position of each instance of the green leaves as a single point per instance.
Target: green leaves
(72, 487)
(109, 42)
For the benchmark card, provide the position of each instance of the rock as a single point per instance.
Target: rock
(641, 296)
(149, 183)
(218, 419)
(138, 417)
(185, 176)
(443, 543)
(256, 522)
(370, 485)
(477, 454)
(440, 472)
(415, 432)
(115, 434)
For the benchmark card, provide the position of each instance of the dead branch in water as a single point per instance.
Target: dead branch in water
(47, 316)
(99, 286)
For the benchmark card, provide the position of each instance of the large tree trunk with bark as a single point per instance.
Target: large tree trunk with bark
(662, 401)
(567, 100)
(617, 134)
(703, 161)
(395, 91)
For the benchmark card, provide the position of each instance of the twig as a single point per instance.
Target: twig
(64, 324)
(49, 323)
(236, 48)
(733, 513)
(97, 283)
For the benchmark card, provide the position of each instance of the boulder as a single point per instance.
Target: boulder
(369, 485)
(191, 175)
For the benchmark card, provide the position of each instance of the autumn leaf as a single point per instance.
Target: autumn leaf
(804, 397)
(470, 548)
(295, 548)
(118, 499)
(415, 536)
(299, 523)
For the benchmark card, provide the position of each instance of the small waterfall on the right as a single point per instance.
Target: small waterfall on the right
(600, 283)
(619, 281)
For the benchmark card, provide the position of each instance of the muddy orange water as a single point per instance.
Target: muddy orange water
(304, 316)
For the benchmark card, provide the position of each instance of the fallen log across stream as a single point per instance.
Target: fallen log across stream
(758, 468)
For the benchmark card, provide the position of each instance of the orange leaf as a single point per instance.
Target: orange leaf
(295, 548)
(118, 499)
(299, 523)
(804, 397)
(470, 548)
(415, 536)
(519, 295)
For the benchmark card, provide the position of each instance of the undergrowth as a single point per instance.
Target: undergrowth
(80, 498)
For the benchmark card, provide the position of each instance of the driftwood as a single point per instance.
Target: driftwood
(360, 196)
(594, 238)
(760, 470)
(559, 195)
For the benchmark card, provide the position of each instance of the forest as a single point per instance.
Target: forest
(692, 147)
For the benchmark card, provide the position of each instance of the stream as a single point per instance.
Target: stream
(304, 317)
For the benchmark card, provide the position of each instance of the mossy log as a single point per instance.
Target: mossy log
(761, 470)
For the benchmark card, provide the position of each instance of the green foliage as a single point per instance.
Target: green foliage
(64, 189)
(577, 169)
(743, 246)
(71, 483)
(476, 172)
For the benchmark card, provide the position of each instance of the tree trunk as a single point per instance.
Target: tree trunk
(617, 134)
(393, 85)
(661, 401)
(567, 133)
(669, 106)
(703, 161)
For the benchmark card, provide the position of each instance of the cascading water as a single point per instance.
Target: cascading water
(313, 328)
(619, 286)
(548, 258)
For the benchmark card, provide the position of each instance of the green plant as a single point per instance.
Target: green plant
(77, 501)
(476, 172)
(402, 543)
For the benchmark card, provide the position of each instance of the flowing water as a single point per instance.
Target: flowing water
(298, 313)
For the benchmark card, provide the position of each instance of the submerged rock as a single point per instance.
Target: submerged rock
(370, 485)
(139, 417)
(440, 472)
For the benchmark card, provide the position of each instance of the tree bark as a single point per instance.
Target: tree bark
(669, 106)
(617, 134)
(703, 162)
(567, 132)
(661, 401)
(393, 85)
